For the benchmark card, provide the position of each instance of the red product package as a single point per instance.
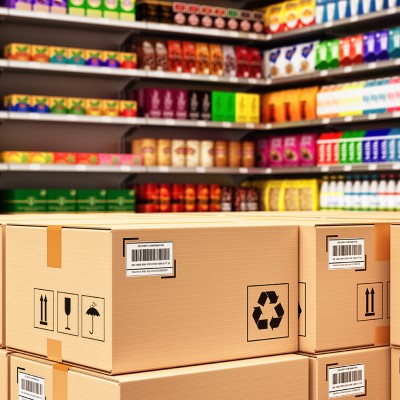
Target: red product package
(357, 49)
(189, 57)
(255, 63)
(242, 62)
(175, 56)
(64, 158)
(87, 158)
(165, 197)
(345, 53)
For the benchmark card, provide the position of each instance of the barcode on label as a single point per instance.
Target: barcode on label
(347, 250)
(346, 381)
(346, 254)
(30, 387)
(150, 255)
(149, 259)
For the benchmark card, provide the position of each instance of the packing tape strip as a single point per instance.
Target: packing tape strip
(54, 246)
(382, 242)
(382, 335)
(60, 382)
(54, 350)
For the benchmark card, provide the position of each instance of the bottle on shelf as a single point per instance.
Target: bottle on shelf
(391, 193)
(365, 193)
(382, 192)
(332, 193)
(356, 195)
(340, 192)
(373, 189)
(324, 194)
(348, 193)
(397, 195)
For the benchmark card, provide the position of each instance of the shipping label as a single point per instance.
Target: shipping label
(30, 387)
(346, 254)
(346, 381)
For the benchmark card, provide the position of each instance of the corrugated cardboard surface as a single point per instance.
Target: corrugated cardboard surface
(377, 372)
(204, 314)
(334, 314)
(3, 375)
(283, 377)
(395, 368)
(395, 284)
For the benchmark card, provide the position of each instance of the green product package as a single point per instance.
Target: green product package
(77, 7)
(355, 147)
(343, 147)
(24, 200)
(394, 43)
(91, 200)
(321, 60)
(333, 53)
(119, 200)
(111, 9)
(94, 8)
(61, 200)
(229, 106)
(127, 10)
(217, 106)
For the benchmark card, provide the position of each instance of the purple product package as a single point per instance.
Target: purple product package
(150, 102)
(169, 103)
(262, 151)
(59, 7)
(308, 149)
(291, 151)
(181, 104)
(41, 5)
(369, 47)
(382, 45)
(25, 5)
(275, 156)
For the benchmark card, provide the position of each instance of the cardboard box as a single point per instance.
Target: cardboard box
(223, 381)
(395, 362)
(112, 295)
(395, 283)
(351, 374)
(3, 374)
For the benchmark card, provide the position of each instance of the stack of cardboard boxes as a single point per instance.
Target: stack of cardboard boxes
(200, 306)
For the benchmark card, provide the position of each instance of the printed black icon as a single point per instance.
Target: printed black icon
(369, 305)
(43, 310)
(92, 311)
(67, 310)
(299, 310)
(274, 322)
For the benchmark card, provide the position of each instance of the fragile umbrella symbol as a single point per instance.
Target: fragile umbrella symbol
(93, 313)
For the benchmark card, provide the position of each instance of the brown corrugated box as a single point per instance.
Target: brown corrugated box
(231, 294)
(3, 375)
(395, 368)
(395, 284)
(284, 377)
(363, 373)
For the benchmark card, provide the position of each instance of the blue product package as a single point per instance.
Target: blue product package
(356, 8)
(393, 146)
(378, 97)
(367, 147)
(394, 43)
(321, 11)
(367, 6)
(382, 45)
(383, 145)
(367, 93)
(369, 47)
(332, 10)
(343, 9)
(375, 146)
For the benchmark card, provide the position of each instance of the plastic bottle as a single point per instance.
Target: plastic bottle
(332, 193)
(382, 193)
(397, 195)
(373, 189)
(348, 193)
(356, 197)
(365, 193)
(324, 194)
(391, 193)
(340, 193)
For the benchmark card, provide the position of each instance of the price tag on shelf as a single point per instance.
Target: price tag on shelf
(253, 36)
(164, 169)
(325, 168)
(349, 118)
(268, 171)
(216, 32)
(185, 75)
(34, 167)
(159, 74)
(372, 167)
(268, 126)
(396, 114)
(347, 69)
(200, 170)
(202, 124)
(72, 68)
(234, 34)
(227, 124)
(354, 18)
(347, 168)
(243, 170)
(397, 61)
(250, 125)
(372, 116)
(233, 79)
(324, 73)
(106, 120)
(269, 81)
(213, 78)
(396, 166)
(328, 24)
(81, 168)
(392, 10)
(371, 65)
(125, 168)
(326, 121)
(34, 116)
(170, 122)
(253, 81)
(72, 118)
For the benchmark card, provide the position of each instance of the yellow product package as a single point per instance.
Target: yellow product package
(272, 194)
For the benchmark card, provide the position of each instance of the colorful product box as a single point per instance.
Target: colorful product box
(131, 159)
(93, 58)
(369, 47)
(262, 152)
(382, 45)
(217, 99)
(41, 5)
(321, 56)
(61, 200)
(110, 108)
(40, 53)
(76, 56)
(94, 107)
(150, 102)
(307, 148)
(275, 157)
(25, 200)
(375, 146)
(253, 108)
(17, 52)
(15, 157)
(87, 158)
(59, 7)
(58, 105)
(128, 108)
(291, 151)
(17, 103)
(76, 106)
(58, 55)
(40, 104)
(109, 159)
(242, 107)
(393, 145)
(77, 7)
(41, 157)
(119, 200)
(306, 59)
(127, 10)
(181, 104)
(94, 8)
(24, 5)
(110, 59)
(111, 9)
(127, 60)
(394, 43)
(65, 158)
(91, 200)
(206, 106)
(275, 22)
(333, 53)
(306, 13)
(393, 95)
(169, 104)
(291, 15)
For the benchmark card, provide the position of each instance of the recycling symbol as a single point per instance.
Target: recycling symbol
(274, 321)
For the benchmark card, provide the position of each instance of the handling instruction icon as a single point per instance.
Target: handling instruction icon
(67, 310)
(92, 311)
(43, 310)
(369, 306)
(274, 322)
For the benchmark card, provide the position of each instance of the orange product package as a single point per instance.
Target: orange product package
(189, 57)
(202, 58)
(175, 56)
(291, 15)
(275, 22)
(291, 105)
(216, 60)
(308, 103)
(272, 108)
(306, 13)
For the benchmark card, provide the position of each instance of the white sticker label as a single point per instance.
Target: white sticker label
(346, 254)
(30, 387)
(151, 258)
(346, 381)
